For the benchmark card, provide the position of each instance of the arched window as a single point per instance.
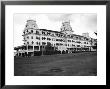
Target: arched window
(33, 25)
(26, 25)
(32, 42)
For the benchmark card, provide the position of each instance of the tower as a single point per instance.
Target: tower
(31, 24)
(85, 34)
(29, 32)
(66, 28)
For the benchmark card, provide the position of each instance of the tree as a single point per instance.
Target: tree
(49, 49)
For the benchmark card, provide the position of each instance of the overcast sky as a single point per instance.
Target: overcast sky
(80, 23)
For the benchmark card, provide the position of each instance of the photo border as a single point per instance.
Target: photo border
(4, 3)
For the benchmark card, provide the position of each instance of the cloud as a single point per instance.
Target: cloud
(80, 23)
(89, 21)
(59, 17)
(22, 18)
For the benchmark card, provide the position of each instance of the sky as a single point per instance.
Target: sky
(80, 23)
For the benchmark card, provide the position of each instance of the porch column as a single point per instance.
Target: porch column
(21, 52)
(39, 48)
(27, 49)
(33, 50)
(18, 52)
(33, 47)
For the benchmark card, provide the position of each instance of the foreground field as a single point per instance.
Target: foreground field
(79, 64)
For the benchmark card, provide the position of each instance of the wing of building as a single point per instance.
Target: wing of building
(36, 39)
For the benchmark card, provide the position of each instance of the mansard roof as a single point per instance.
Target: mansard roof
(51, 31)
(63, 33)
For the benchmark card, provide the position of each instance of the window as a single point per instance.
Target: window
(63, 40)
(33, 25)
(27, 37)
(43, 38)
(57, 43)
(48, 39)
(24, 32)
(31, 37)
(37, 32)
(48, 33)
(69, 40)
(57, 34)
(64, 28)
(43, 43)
(36, 47)
(27, 42)
(56, 39)
(73, 41)
(37, 37)
(52, 39)
(76, 37)
(43, 32)
(78, 45)
(27, 30)
(78, 42)
(73, 45)
(26, 25)
(37, 43)
(84, 42)
(61, 44)
(32, 42)
(52, 34)
(32, 31)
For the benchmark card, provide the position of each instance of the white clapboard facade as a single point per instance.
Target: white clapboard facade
(35, 39)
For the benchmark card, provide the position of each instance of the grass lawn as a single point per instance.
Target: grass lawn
(78, 64)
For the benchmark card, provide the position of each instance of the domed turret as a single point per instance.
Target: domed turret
(31, 24)
(66, 27)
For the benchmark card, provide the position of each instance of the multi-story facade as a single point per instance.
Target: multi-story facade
(36, 39)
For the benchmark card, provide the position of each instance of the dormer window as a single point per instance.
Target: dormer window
(26, 25)
(43, 32)
(24, 32)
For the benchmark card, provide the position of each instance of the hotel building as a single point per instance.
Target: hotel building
(36, 39)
